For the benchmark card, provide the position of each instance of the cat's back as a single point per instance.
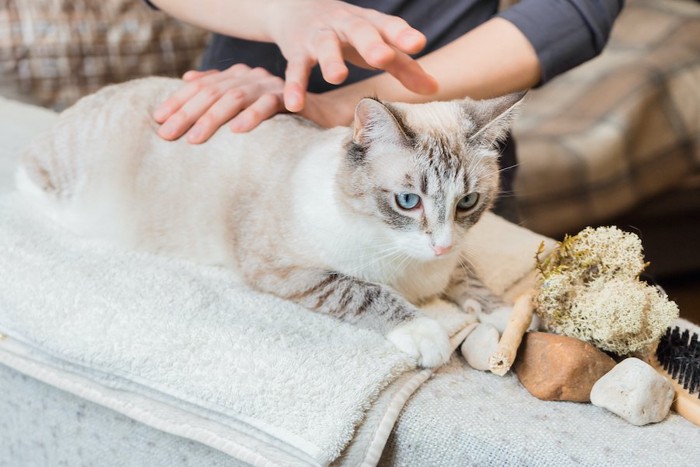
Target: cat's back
(111, 137)
(117, 108)
(103, 171)
(95, 128)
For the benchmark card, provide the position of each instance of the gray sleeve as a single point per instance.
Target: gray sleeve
(564, 33)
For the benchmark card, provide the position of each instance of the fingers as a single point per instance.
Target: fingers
(246, 97)
(182, 109)
(211, 99)
(410, 41)
(384, 42)
(194, 74)
(405, 69)
(369, 43)
(411, 75)
(330, 56)
(263, 108)
(362, 36)
(183, 95)
(296, 81)
(397, 32)
(214, 113)
(377, 36)
(195, 83)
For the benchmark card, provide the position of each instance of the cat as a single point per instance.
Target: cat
(363, 223)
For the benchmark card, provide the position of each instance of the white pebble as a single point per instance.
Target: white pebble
(479, 345)
(497, 317)
(500, 316)
(634, 391)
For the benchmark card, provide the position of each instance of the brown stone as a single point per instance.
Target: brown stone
(559, 368)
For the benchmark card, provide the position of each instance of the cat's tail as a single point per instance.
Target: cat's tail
(45, 179)
(36, 178)
(34, 184)
(45, 187)
(27, 184)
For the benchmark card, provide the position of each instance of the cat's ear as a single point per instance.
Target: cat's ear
(374, 121)
(492, 117)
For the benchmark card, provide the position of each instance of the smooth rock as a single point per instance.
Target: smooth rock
(479, 345)
(634, 391)
(497, 317)
(559, 368)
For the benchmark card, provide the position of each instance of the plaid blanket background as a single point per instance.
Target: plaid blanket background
(618, 130)
(56, 51)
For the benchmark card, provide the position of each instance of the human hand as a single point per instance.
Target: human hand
(245, 96)
(329, 110)
(329, 32)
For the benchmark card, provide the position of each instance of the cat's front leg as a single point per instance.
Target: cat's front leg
(365, 304)
(468, 291)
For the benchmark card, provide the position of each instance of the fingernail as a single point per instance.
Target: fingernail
(239, 125)
(413, 35)
(159, 114)
(194, 134)
(168, 129)
(292, 102)
(412, 40)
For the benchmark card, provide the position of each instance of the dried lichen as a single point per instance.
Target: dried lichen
(590, 289)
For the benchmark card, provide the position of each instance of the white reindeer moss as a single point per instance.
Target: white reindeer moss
(590, 289)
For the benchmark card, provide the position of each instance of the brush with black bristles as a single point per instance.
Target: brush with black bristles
(678, 359)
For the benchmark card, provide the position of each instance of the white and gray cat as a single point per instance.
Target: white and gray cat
(362, 223)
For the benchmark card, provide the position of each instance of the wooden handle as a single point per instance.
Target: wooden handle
(687, 405)
(520, 319)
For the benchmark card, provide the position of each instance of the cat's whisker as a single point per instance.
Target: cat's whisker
(374, 259)
(402, 263)
(464, 261)
(384, 255)
(512, 166)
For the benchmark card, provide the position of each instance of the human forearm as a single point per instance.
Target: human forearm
(564, 33)
(492, 60)
(530, 43)
(246, 19)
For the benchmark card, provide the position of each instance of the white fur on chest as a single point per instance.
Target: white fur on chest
(355, 246)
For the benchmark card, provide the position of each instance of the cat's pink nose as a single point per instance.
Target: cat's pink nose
(442, 250)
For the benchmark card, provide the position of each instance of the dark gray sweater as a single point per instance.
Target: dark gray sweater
(564, 33)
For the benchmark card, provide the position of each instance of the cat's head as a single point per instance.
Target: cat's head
(425, 173)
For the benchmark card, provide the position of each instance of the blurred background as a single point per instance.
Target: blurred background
(616, 141)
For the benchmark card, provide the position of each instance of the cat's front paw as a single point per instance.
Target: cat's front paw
(424, 339)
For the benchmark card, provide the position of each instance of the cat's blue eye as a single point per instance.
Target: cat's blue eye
(407, 200)
(468, 202)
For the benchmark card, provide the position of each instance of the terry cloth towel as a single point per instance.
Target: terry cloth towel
(188, 337)
(184, 349)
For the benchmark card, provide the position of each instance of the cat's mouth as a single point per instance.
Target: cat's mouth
(430, 255)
